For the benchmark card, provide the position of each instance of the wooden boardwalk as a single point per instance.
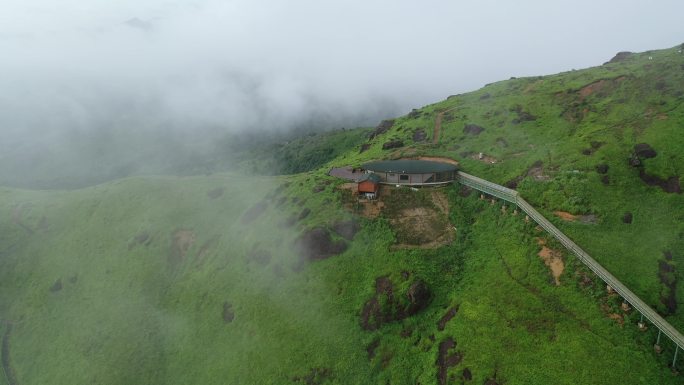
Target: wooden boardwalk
(514, 197)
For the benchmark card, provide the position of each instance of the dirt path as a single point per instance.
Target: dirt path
(438, 125)
(438, 128)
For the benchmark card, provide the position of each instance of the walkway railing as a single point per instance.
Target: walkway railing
(514, 197)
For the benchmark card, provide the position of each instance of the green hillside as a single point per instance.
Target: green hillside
(238, 278)
(569, 142)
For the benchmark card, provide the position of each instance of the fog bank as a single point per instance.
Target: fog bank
(207, 67)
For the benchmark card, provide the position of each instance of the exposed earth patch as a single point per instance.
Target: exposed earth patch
(142, 238)
(553, 259)
(205, 249)
(446, 359)
(315, 376)
(419, 136)
(418, 218)
(586, 218)
(615, 316)
(57, 286)
(536, 171)
(484, 158)
(381, 128)
(620, 57)
(317, 244)
(451, 313)
(392, 144)
(473, 129)
(181, 241)
(602, 168)
(600, 88)
(254, 212)
(216, 193)
(259, 255)
(346, 229)
(645, 151)
(668, 280)
(594, 146)
(523, 116)
(389, 305)
(370, 349)
(228, 313)
(467, 374)
(669, 185)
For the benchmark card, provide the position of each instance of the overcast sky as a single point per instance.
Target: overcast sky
(244, 64)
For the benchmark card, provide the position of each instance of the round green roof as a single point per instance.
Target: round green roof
(408, 166)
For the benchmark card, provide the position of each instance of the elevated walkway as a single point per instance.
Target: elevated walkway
(514, 197)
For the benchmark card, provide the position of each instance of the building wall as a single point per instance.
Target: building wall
(368, 186)
(412, 179)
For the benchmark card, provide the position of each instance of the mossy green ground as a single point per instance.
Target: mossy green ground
(131, 312)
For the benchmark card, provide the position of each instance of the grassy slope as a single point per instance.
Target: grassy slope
(131, 316)
(646, 106)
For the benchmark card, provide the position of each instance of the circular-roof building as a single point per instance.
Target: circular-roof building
(412, 172)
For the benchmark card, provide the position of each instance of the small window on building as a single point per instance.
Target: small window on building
(390, 174)
(403, 177)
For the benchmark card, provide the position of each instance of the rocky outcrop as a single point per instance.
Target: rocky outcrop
(619, 57)
(383, 127)
(392, 144)
(389, 305)
(317, 244)
(473, 129)
(645, 151)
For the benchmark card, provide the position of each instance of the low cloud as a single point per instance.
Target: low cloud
(204, 67)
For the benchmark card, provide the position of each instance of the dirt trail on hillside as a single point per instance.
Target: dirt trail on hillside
(438, 125)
